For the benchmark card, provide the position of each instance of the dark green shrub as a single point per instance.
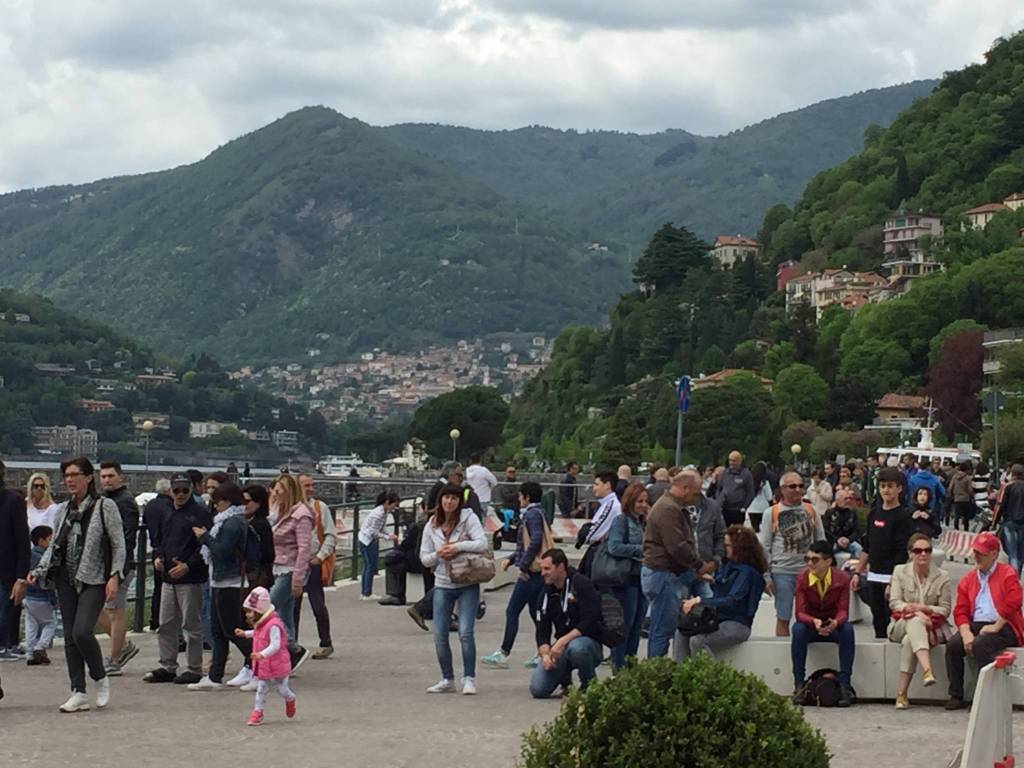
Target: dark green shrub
(661, 714)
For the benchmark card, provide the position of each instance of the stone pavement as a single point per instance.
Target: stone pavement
(366, 706)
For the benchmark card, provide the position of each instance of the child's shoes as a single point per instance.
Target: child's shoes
(256, 718)
(289, 708)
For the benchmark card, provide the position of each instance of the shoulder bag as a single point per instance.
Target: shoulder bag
(468, 568)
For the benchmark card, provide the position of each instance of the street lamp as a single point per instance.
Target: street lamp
(454, 435)
(147, 428)
(795, 449)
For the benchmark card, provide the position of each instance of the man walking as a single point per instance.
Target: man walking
(112, 619)
(321, 549)
(15, 557)
(568, 496)
(670, 557)
(482, 481)
(156, 511)
(179, 558)
(735, 490)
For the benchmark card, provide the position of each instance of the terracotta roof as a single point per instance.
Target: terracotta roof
(902, 402)
(987, 208)
(715, 379)
(737, 240)
(1015, 196)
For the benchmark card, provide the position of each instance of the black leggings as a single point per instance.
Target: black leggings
(315, 590)
(225, 618)
(80, 612)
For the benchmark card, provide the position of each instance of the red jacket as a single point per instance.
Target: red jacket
(1006, 596)
(810, 605)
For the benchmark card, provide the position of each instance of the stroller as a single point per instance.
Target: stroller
(509, 530)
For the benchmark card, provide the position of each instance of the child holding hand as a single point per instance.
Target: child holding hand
(271, 662)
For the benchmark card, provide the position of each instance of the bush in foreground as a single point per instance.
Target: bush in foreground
(661, 714)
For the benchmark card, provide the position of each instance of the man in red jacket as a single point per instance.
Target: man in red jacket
(822, 616)
(987, 615)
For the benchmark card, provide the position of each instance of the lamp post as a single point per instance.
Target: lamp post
(147, 428)
(795, 449)
(454, 435)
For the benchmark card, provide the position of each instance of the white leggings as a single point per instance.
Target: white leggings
(263, 688)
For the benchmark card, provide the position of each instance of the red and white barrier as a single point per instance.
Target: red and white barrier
(989, 740)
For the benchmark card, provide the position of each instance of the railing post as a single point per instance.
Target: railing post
(355, 541)
(140, 580)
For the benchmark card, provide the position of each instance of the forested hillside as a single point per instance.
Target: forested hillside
(961, 147)
(315, 232)
(620, 187)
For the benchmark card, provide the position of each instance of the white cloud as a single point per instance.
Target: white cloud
(104, 87)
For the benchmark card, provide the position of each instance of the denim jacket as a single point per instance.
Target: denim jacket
(626, 539)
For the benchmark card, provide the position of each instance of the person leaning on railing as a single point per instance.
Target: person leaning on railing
(920, 599)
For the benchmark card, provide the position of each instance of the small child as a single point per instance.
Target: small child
(39, 620)
(271, 662)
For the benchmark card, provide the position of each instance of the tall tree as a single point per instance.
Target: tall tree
(954, 382)
(665, 260)
(479, 413)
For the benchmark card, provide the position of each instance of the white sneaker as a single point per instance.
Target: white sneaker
(469, 686)
(252, 685)
(443, 686)
(366, 598)
(78, 702)
(206, 684)
(244, 676)
(102, 692)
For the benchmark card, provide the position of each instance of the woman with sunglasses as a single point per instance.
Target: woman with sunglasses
(920, 599)
(41, 508)
(257, 513)
(85, 564)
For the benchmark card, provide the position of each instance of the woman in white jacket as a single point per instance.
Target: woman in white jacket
(820, 493)
(451, 532)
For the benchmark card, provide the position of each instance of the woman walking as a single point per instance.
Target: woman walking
(85, 564)
(449, 534)
(257, 513)
(293, 527)
(626, 541)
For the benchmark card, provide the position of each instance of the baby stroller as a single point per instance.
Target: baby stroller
(509, 530)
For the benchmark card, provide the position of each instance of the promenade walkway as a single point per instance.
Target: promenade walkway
(366, 706)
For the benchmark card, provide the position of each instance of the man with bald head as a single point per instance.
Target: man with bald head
(787, 533)
(735, 490)
(669, 558)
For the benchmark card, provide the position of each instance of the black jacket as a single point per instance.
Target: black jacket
(409, 546)
(885, 541)
(583, 613)
(469, 498)
(154, 515)
(129, 522)
(177, 542)
(265, 576)
(15, 546)
(840, 522)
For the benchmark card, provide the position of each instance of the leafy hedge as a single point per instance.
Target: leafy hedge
(660, 714)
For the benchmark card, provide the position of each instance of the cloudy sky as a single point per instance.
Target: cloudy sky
(95, 88)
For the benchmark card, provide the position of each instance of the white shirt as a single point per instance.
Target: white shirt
(41, 516)
(603, 518)
(481, 480)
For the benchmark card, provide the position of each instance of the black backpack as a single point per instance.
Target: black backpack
(250, 552)
(822, 688)
(613, 622)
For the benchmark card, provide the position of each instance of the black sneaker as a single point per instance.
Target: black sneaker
(159, 675)
(187, 678)
(391, 600)
(955, 703)
(846, 696)
(299, 657)
(36, 659)
(418, 618)
(481, 610)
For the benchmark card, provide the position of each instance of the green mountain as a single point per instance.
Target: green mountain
(51, 359)
(313, 232)
(620, 187)
(961, 147)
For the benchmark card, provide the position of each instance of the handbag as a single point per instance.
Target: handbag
(547, 542)
(607, 570)
(327, 566)
(470, 568)
(701, 620)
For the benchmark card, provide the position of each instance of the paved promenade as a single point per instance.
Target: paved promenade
(366, 706)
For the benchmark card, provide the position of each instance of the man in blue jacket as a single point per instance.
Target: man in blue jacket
(178, 557)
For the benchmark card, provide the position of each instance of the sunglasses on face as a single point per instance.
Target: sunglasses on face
(794, 486)
(921, 550)
(813, 559)
(180, 491)
(39, 485)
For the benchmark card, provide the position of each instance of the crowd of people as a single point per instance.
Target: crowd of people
(683, 556)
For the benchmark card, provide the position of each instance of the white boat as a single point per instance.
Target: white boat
(925, 450)
(341, 465)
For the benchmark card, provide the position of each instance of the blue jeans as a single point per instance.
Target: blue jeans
(634, 608)
(445, 599)
(583, 654)
(370, 553)
(284, 604)
(665, 591)
(1012, 535)
(804, 634)
(525, 593)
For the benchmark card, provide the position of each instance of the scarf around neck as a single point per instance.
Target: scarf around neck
(218, 521)
(74, 536)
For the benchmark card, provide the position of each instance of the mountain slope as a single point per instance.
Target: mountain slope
(314, 231)
(621, 187)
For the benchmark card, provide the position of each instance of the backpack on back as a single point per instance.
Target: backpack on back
(777, 508)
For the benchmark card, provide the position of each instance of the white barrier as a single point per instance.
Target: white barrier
(989, 740)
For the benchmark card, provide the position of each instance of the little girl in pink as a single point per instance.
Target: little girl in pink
(271, 662)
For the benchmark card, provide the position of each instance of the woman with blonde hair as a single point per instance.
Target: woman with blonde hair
(41, 508)
(293, 523)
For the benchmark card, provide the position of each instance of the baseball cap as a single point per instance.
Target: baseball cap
(180, 480)
(985, 543)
